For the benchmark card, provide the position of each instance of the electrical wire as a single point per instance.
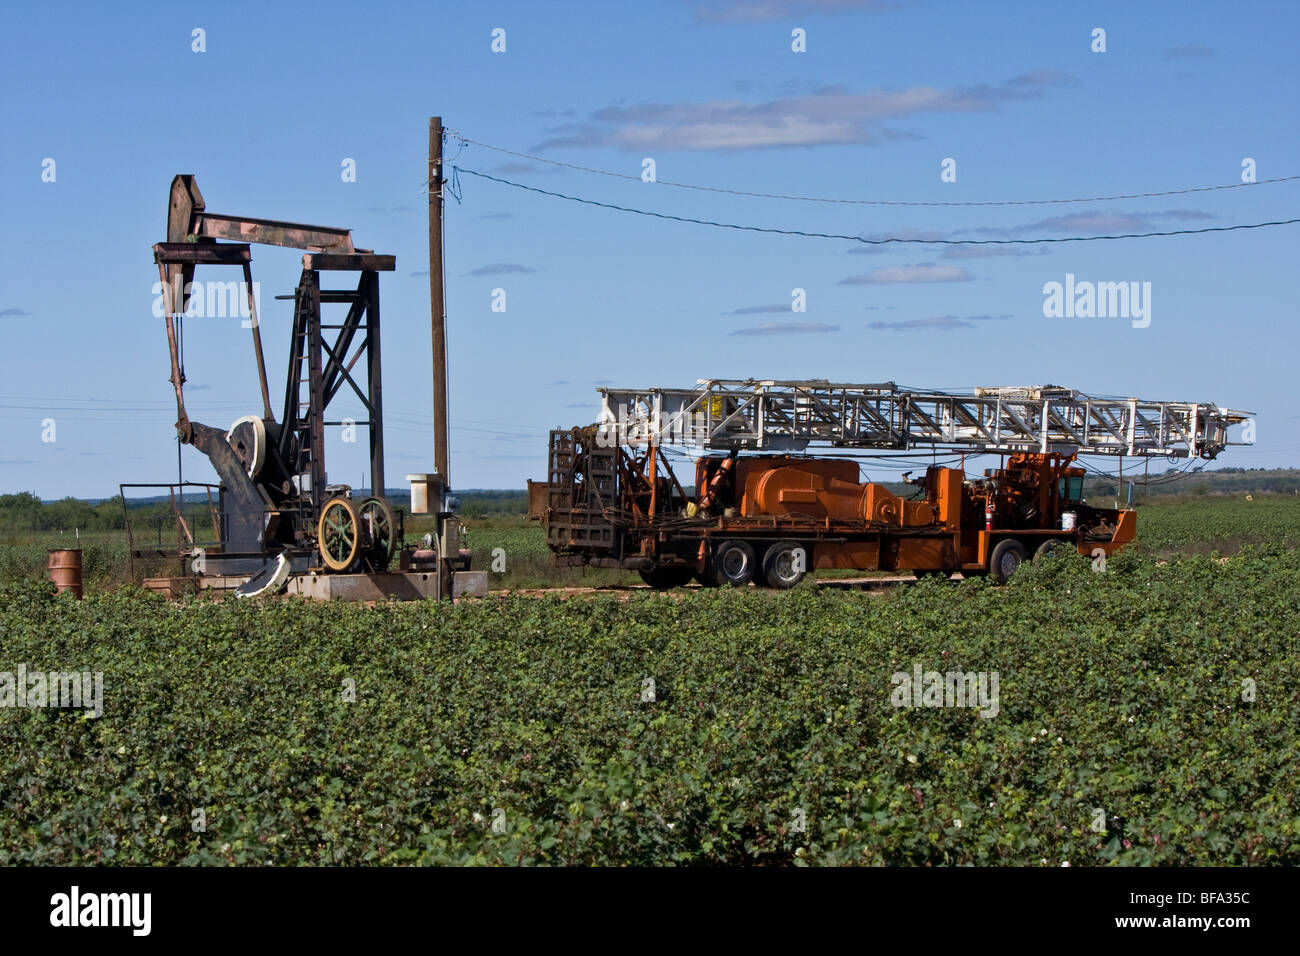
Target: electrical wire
(1169, 477)
(464, 140)
(872, 242)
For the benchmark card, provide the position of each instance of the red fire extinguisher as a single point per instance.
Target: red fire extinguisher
(988, 517)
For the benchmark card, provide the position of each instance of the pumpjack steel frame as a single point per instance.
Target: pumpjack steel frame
(274, 506)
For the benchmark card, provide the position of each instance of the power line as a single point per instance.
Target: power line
(1192, 467)
(862, 202)
(871, 242)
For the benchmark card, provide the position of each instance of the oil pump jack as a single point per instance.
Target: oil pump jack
(278, 521)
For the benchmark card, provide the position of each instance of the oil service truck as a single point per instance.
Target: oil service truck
(770, 500)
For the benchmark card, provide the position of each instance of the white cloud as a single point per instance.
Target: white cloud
(501, 269)
(925, 272)
(1097, 222)
(761, 309)
(825, 116)
(938, 322)
(788, 328)
(741, 11)
(1188, 51)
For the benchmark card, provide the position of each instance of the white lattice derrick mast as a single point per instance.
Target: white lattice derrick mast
(782, 416)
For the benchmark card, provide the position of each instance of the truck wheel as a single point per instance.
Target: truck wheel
(785, 564)
(733, 563)
(1006, 559)
(663, 577)
(1053, 546)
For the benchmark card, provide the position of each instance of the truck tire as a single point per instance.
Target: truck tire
(733, 563)
(1053, 546)
(664, 577)
(781, 569)
(1006, 559)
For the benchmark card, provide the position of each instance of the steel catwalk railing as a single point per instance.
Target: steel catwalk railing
(782, 416)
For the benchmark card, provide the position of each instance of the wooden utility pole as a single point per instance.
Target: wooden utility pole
(438, 305)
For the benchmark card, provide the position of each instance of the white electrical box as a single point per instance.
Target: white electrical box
(422, 489)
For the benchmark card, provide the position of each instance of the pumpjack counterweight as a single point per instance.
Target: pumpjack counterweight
(785, 416)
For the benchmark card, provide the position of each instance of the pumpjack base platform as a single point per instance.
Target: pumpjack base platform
(409, 586)
(172, 587)
(402, 586)
(180, 585)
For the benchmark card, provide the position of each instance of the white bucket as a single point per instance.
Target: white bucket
(1068, 519)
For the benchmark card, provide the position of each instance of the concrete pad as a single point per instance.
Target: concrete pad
(469, 584)
(411, 586)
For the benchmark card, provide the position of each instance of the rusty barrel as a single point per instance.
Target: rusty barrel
(65, 570)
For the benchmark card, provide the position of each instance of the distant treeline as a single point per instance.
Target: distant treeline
(25, 511)
(480, 504)
(1220, 481)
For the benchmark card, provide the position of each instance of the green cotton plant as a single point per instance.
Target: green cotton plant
(517, 731)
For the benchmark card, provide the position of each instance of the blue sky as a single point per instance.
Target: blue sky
(715, 95)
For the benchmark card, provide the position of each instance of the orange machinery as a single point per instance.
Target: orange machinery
(772, 501)
(769, 519)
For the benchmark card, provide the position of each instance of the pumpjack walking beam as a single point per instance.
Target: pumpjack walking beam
(188, 221)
